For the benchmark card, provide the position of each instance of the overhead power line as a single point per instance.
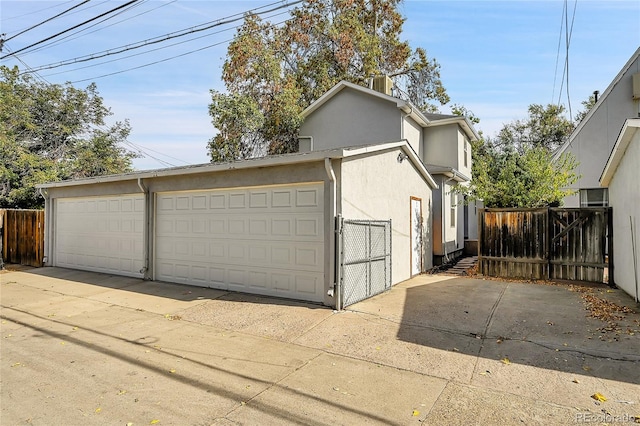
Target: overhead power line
(181, 33)
(34, 12)
(165, 59)
(70, 29)
(76, 35)
(47, 20)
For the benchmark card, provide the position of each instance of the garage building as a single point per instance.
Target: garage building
(265, 226)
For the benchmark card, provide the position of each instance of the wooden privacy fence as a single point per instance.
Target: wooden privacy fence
(22, 239)
(547, 243)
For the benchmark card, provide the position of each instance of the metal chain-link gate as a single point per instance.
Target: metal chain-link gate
(364, 258)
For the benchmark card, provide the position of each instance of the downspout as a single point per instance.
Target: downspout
(47, 220)
(145, 230)
(335, 290)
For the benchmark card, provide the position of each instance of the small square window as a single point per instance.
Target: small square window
(596, 197)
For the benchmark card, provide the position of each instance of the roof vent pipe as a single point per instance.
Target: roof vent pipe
(595, 95)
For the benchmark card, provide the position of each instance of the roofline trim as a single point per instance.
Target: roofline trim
(627, 133)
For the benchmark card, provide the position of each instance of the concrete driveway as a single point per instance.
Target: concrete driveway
(80, 348)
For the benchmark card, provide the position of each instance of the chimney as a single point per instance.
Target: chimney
(383, 84)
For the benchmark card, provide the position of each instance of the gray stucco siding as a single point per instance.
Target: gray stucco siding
(377, 187)
(440, 145)
(594, 139)
(624, 197)
(351, 119)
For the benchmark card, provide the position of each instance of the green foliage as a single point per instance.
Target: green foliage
(273, 72)
(516, 169)
(51, 132)
(545, 127)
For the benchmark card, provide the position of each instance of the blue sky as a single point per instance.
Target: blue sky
(496, 57)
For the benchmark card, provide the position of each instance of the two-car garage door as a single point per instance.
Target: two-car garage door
(264, 240)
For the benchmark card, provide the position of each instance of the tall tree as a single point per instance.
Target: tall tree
(52, 132)
(516, 168)
(273, 72)
(546, 127)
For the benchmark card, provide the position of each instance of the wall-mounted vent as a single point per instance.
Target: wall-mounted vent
(636, 86)
(383, 84)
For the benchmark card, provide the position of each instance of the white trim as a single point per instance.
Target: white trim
(629, 129)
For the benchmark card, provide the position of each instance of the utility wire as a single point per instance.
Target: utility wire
(161, 48)
(575, 6)
(70, 29)
(139, 149)
(34, 12)
(169, 36)
(47, 20)
(555, 75)
(77, 34)
(163, 60)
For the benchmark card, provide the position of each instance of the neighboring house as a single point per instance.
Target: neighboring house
(592, 140)
(349, 114)
(264, 226)
(621, 177)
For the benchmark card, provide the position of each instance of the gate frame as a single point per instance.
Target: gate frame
(340, 264)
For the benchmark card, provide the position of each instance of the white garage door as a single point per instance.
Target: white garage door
(102, 234)
(264, 240)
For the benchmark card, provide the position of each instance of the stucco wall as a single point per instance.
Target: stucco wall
(352, 118)
(440, 145)
(453, 235)
(379, 188)
(593, 142)
(276, 175)
(412, 132)
(444, 146)
(624, 198)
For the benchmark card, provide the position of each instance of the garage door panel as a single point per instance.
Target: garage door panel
(267, 240)
(100, 234)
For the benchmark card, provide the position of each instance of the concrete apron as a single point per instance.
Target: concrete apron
(84, 348)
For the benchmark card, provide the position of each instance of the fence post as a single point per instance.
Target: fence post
(338, 262)
(547, 236)
(611, 266)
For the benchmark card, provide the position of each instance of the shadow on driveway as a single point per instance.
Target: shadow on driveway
(540, 325)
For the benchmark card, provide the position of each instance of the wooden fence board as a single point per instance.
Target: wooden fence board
(548, 243)
(22, 236)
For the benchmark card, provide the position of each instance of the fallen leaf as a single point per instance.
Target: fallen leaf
(62, 343)
(586, 368)
(599, 397)
(456, 350)
(98, 410)
(75, 328)
(122, 392)
(173, 370)
(416, 413)
(505, 360)
(17, 364)
(154, 421)
(377, 348)
(575, 381)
